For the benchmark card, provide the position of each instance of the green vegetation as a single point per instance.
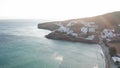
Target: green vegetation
(119, 66)
(112, 51)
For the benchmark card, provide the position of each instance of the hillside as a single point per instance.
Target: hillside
(105, 26)
(110, 20)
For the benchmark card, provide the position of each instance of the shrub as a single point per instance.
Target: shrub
(117, 62)
(112, 51)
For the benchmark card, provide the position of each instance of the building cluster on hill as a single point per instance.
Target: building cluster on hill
(87, 27)
(66, 29)
(88, 30)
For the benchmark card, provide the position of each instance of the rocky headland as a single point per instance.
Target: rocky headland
(102, 29)
(87, 30)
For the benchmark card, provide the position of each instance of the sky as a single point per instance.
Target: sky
(55, 9)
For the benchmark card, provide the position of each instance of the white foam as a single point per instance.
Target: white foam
(59, 58)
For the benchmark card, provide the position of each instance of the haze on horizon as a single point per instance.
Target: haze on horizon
(55, 9)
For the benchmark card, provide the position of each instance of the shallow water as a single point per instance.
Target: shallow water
(22, 45)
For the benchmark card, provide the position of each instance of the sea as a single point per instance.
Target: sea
(23, 45)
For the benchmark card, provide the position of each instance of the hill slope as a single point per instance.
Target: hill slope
(107, 26)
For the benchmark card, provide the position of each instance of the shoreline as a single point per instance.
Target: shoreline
(108, 61)
(102, 56)
(102, 46)
(107, 58)
(56, 35)
(90, 30)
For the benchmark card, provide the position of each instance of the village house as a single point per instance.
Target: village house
(116, 59)
(107, 33)
(89, 27)
(66, 29)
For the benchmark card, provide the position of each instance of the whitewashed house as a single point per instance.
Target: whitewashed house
(90, 37)
(84, 30)
(63, 29)
(74, 34)
(92, 27)
(116, 59)
(89, 26)
(66, 30)
(106, 33)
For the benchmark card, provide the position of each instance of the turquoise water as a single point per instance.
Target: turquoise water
(22, 45)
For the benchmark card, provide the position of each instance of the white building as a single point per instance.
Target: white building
(84, 30)
(63, 29)
(90, 37)
(74, 34)
(66, 30)
(88, 26)
(106, 33)
(116, 59)
(91, 29)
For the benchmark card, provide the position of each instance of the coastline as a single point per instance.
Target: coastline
(108, 61)
(92, 30)
(107, 58)
(62, 36)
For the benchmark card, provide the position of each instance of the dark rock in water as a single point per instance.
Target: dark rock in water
(62, 36)
(57, 35)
